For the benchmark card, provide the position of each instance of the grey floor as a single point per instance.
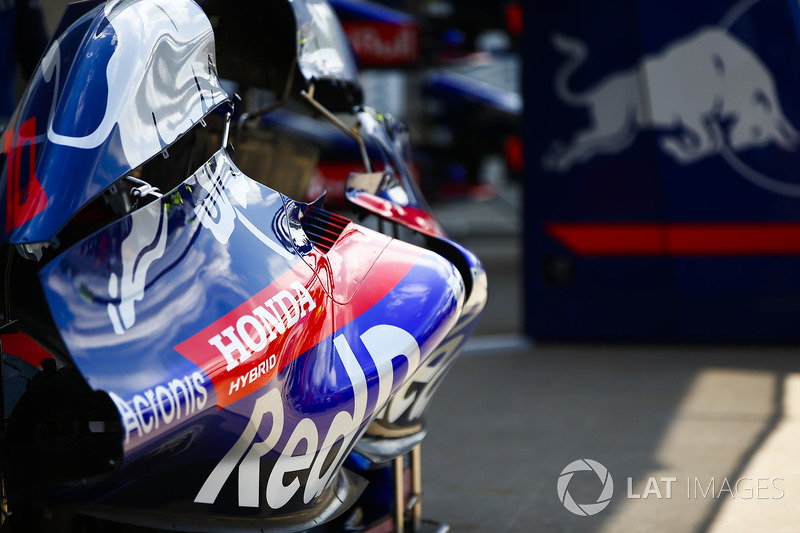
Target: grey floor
(717, 425)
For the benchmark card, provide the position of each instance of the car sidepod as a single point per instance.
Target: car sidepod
(237, 362)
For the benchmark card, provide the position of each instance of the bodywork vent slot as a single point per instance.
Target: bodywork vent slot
(322, 227)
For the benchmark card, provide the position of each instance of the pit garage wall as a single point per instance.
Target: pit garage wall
(662, 179)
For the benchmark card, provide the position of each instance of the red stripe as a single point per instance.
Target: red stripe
(411, 217)
(23, 347)
(678, 239)
(343, 278)
(23, 200)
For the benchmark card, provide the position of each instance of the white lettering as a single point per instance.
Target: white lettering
(235, 345)
(291, 312)
(161, 393)
(151, 398)
(257, 343)
(304, 299)
(250, 468)
(174, 385)
(705, 493)
(270, 404)
(759, 488)
(411, 395)
(630, 490)
(129, 419)
(669, 481)
(264, 367)
(277, 493)
(344, 424)
(198, 380)
(303, 451)
(725, 487)
(142, 406)
(253, 332)
(783, 493)
(269, 321)
(651, 488)
(748, 490)
(384, 344)
(414, 396)
(147, 411)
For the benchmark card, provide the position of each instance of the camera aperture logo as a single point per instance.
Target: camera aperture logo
(585, 509)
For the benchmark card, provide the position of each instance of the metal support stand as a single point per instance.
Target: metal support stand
(416, 486)
(414, 504)
(399, 507)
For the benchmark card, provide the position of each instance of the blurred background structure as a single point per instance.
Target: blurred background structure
(659, 199)
(662, 190)
(23, 37)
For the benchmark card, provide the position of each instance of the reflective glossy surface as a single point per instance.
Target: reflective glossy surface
(113, 90)
(198, 319)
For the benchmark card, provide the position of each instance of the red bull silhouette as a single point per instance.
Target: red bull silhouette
(705, 94)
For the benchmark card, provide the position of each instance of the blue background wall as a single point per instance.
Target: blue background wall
(700, 241)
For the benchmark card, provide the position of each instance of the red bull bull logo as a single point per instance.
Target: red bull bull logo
(704, 94)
